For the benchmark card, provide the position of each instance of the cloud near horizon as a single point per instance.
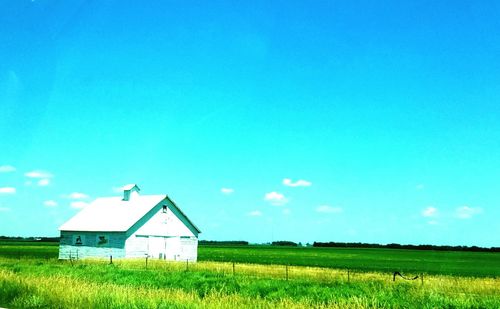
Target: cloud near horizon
(43, 182)
(226, 191)
(7, 169)
(78, 204)
(329, 209)
(50, 203)
(38, 174)
(7, 190)
(255, 213)
(276, 198)
(299, 183)
(466, 212)
(430, 212)
(76, 196)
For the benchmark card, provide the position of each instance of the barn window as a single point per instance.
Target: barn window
(102, 240)
(78, 240)
(164, 210)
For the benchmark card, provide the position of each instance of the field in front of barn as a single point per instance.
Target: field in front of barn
(31, 276)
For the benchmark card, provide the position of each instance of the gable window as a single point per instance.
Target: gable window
(164, 209)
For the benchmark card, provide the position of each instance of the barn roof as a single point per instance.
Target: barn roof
(112, 214)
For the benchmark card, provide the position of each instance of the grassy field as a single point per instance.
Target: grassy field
(32, 277)
(473, 264)
(476, 264)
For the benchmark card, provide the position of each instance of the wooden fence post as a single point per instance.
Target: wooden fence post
(233, 269)
(187, 263)
(348, 276)
(422, 278)
(286, 269)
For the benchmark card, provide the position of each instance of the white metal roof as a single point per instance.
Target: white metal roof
(112, 214)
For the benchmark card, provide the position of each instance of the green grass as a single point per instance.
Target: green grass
(39, 283)
(472, 264)
(32, 277)
(476, 264)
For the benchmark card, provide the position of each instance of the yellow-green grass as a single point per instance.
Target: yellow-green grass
(128, 284)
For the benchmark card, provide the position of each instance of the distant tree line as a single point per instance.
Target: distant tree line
(223, 242)
(398, 246)
(18, 238)
(285, 243)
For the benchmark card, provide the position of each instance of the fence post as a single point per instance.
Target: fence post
(147, 261)
(422, 278)
(348, 276)
(286, 269)
(110, 259)
(233, 268)
(187, 263)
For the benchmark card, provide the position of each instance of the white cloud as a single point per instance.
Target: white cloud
(276, 198)
(420, 186)
(430, 212)
(255, 213)
(3, 209)
(78, 204)
(117, 189)
(299, 183)
(226, 191)
(38, 174)
(466, 212)
(7, 169)
(7, 190)
(50, 203)
(43, 182)
(329, 209)
(76, 196)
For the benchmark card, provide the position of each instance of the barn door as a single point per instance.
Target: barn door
(156, 247)
(172, 248)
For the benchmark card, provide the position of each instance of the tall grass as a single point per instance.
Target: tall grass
(128, 284)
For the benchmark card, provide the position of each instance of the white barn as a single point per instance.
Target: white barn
(131, 226)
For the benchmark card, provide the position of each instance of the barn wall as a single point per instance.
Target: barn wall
(91, 244)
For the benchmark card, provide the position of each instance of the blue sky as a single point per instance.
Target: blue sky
(264, 120)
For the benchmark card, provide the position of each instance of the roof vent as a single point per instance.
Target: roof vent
(130, 191)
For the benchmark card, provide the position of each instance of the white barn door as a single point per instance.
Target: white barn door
(156, 247)
(173, 248)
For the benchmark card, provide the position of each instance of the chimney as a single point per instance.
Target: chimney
(129, 191)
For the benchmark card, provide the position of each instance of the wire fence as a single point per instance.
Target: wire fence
(456, 285)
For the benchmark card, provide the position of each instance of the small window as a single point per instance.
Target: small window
(164, 210)
(78, 240)
(102, 240)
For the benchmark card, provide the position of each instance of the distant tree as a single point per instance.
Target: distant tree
(284, 243)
